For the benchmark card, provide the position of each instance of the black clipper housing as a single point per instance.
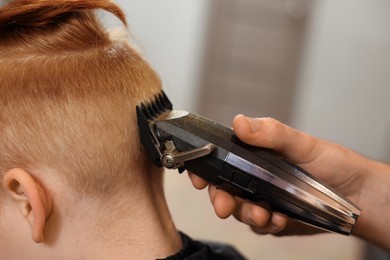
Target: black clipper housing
(185, 141)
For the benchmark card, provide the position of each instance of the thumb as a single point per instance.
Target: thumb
(245, 125)
(256, 131)
(272, 134)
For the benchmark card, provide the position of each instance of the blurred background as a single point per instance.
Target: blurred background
(321, 66)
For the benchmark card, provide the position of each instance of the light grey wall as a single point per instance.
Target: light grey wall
(344, 90)
(342, 96)
(171, 35)
(344, 87)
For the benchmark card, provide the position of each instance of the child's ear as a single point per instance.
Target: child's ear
(32, 200)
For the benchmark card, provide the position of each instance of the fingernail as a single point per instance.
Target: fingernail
(275, 229)
(250, 218)
(252, 124)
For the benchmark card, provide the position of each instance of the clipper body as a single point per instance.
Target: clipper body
(186, 141)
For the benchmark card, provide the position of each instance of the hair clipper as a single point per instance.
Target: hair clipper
(185, 141)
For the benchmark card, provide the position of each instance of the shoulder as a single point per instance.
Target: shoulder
(200, 250)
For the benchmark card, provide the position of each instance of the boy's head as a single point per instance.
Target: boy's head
(75, 182)
(68, 94)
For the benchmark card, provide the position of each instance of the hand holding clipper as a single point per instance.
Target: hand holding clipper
(182, 140)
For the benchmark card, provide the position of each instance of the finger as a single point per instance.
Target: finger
(252, 215)
(224, 203)
(270, 133)
(197, 181)
(277, 223)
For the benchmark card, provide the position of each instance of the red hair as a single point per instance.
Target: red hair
(68, 94)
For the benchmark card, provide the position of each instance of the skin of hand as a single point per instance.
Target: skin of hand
(365, 182)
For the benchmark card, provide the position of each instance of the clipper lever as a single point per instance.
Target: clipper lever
(173, 159)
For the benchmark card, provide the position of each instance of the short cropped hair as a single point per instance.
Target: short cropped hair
(68, 94)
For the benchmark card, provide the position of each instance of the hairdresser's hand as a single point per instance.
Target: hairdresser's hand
(343, 169)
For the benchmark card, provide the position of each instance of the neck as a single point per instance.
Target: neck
(135, 227)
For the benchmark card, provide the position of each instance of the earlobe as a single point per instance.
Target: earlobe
(33, 201)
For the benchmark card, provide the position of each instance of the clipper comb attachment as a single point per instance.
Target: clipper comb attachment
(146, 114)
(159, 105)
